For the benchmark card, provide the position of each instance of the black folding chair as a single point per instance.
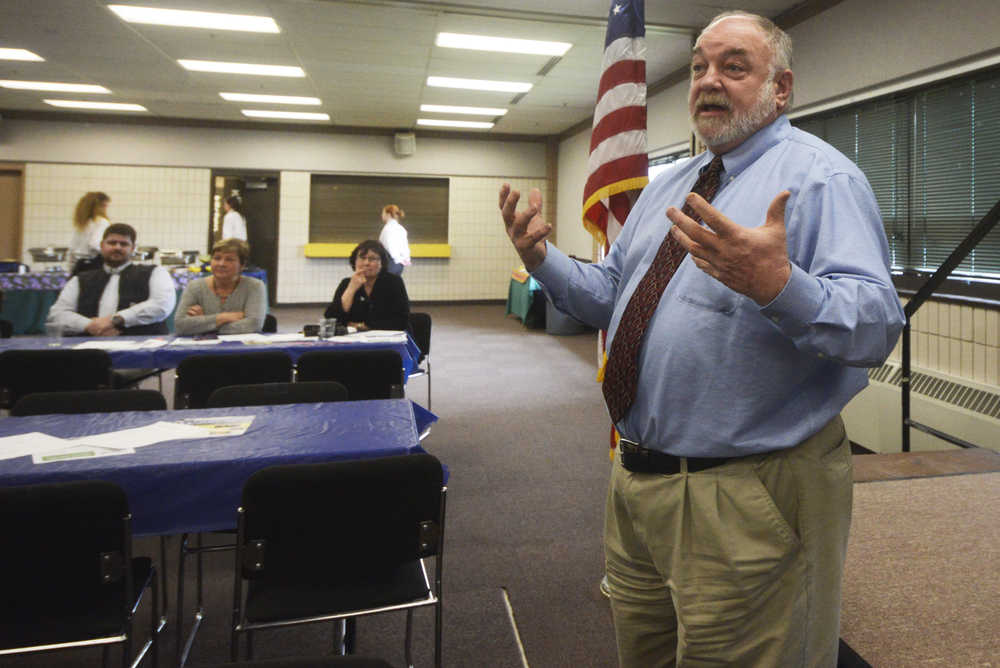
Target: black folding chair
(200, 375)
(270, 394)
(298, 567)
(23, 372)
(92, 401)
(270, 324)
(69, 578)
(367, 374)
(420, 328)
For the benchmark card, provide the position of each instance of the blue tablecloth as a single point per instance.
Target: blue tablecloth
(168, 357)
(195, 485)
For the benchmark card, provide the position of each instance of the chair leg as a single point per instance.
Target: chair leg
(438, 609)
(249, 645)
(154, 622)
(409, 638)
(105, 655)
(180, 594)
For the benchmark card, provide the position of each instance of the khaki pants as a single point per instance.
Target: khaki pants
(738, 565)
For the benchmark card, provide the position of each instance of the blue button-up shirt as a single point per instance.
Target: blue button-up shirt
(720, 375)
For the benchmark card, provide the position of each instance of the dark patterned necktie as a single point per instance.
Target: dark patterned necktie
(621, 373)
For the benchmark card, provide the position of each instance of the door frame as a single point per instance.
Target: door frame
(272, 281)
(18, 167)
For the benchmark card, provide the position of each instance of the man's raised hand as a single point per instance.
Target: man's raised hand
(750, 260)
(527, 229)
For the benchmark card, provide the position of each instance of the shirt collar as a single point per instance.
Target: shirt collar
(116, 270)
(746, 154)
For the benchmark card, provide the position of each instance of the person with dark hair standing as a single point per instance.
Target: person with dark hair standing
(226, 302)
(117, 298)
(234, 223)
(394, 238)
(371, 298)
(90, 219)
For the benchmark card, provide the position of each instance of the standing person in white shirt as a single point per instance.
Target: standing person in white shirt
(117, 298)
(393, 238)
(234, 224)
(90, 219)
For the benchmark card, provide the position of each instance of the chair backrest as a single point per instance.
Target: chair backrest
(420, 327)
(270, 324)
(88, 401)
(25, 372)
(6, 329)
(367, 374)
(270, 394)
(200, 375)
(388, 511)
(68, 542)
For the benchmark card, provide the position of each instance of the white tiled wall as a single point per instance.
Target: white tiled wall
(167, 206)
(955, 339)
(481, 255)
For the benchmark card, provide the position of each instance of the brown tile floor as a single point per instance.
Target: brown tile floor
(902, 465)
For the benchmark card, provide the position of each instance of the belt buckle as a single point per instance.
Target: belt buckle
(633, 449)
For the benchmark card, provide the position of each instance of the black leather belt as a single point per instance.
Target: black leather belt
(638, 459)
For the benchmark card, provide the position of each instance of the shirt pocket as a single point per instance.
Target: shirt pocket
(694, 287)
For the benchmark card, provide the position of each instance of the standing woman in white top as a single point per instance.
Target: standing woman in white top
(234, 225)
(393, 238)
(89, 222)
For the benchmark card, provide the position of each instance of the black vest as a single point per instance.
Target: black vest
(133, 287)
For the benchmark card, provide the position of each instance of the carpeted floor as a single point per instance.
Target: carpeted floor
(524, 431)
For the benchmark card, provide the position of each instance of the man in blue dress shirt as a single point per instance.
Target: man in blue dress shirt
(729, 506)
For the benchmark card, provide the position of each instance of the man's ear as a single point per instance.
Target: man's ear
(783, 88)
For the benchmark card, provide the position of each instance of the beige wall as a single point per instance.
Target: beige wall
(159, 181)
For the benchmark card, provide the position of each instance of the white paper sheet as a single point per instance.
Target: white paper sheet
(22, 445)
(228, 425)
(187, 341)
(115, 344)
(138, 437)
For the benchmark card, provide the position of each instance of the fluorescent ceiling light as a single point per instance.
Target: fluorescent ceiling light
(86, 104)
(455, 124)
(505, 44)
(192, 19)
(19, 54)
(270, 99)
(53, 86)
(471, 111)
(479, 84)
(242, 68)
(294, 115)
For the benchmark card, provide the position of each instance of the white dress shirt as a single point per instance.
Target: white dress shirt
(394, 238)
(162, 297)
(234, 226)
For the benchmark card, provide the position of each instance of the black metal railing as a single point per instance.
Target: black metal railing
(956, 258)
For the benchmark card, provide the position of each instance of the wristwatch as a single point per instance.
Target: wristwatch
(118, 322)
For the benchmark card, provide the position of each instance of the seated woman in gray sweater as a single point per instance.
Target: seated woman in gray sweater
(225, 302)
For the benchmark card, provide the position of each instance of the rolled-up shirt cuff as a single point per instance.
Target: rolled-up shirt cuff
(796, 306)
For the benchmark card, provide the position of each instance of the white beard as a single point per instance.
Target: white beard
(739, 125)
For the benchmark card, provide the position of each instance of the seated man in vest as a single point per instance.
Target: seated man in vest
(119, 297)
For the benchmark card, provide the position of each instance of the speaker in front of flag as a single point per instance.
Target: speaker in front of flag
(405, 143)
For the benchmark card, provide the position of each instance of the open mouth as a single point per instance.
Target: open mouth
(712, 108)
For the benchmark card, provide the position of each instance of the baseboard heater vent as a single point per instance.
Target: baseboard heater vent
(951, 392)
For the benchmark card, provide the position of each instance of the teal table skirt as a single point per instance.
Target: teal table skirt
(526, 301)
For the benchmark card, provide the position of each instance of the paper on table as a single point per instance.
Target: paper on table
(112, 344)
(256, 338)
(22, 445)
(77, 452)
(187, 341)
(228, 425)
(137, 437)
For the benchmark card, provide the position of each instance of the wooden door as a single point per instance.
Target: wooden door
(11, 187)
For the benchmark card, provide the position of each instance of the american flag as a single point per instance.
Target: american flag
(618, 162)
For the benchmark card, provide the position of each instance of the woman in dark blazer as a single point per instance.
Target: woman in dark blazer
(371, 298)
